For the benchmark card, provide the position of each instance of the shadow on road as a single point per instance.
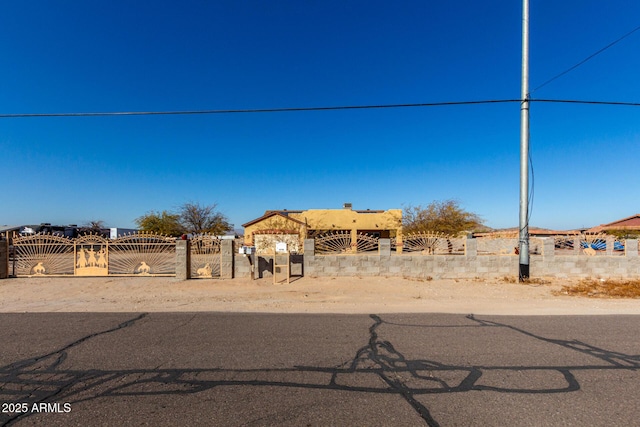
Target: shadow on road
(377, 367)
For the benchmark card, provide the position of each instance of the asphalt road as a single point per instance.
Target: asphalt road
(86, 369)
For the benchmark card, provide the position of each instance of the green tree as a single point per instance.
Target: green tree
(163, 223)
(624, 234)
(197, 218)
(441, 216)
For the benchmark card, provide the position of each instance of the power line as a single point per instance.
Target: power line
(576, 101)
(586, 59)
(257, 110)
(298, 109)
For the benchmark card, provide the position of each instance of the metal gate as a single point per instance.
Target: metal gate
(206, 257)
(138, 254)
(43, 254)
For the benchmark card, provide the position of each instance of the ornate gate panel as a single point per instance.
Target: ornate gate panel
(142, 254)
(43, 254)
(206, 257)
(91, 256)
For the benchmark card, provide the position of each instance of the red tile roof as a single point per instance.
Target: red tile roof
(629, 223)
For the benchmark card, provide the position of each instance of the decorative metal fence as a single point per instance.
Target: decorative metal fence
(206, 257)
(138, 254)
(590, 244)
(341, 242)
(43, 254)
(431, 243)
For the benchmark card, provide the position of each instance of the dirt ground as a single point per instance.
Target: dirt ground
(302, 295)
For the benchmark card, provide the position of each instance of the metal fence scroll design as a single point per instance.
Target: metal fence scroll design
(142, 254)
(341, 242)
(430, 243)
(43, 255)
(206, 256)
(367, 243)
(589, 244)
(564, 243)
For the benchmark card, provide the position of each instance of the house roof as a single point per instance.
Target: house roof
(284, 212)
(287, 212)
(629, 223)
(533, 231)
(270, 214)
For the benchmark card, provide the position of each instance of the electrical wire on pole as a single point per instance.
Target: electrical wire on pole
(299, 109)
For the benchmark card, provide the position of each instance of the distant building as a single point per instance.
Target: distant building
(115, 232)
(70, 231)
(533, 232)
(31, 229)
(6, 231)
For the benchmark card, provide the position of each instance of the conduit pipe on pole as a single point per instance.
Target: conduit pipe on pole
(523, 235)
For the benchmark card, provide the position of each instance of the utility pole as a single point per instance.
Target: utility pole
(523, 235)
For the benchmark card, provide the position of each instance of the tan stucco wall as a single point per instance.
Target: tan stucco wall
(331, 219)
(274, 223)
(266, 243)
(347, 219)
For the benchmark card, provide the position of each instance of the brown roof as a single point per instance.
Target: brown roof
(286, 211)
(629, 223)
(269, 214)
(283, 212)
(533, 231)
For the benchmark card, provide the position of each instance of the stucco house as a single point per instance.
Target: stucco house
(297, 225)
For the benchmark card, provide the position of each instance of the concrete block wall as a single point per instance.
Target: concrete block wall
(415, 266)
(471, 265)
(388, 263)
(583, 266)
(243, 266)
(504, 246)
(263, 266)
(183, 260)
(227, 261)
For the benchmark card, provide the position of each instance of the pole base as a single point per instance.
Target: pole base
(524, 272)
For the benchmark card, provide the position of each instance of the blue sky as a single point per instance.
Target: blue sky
(94, 56)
